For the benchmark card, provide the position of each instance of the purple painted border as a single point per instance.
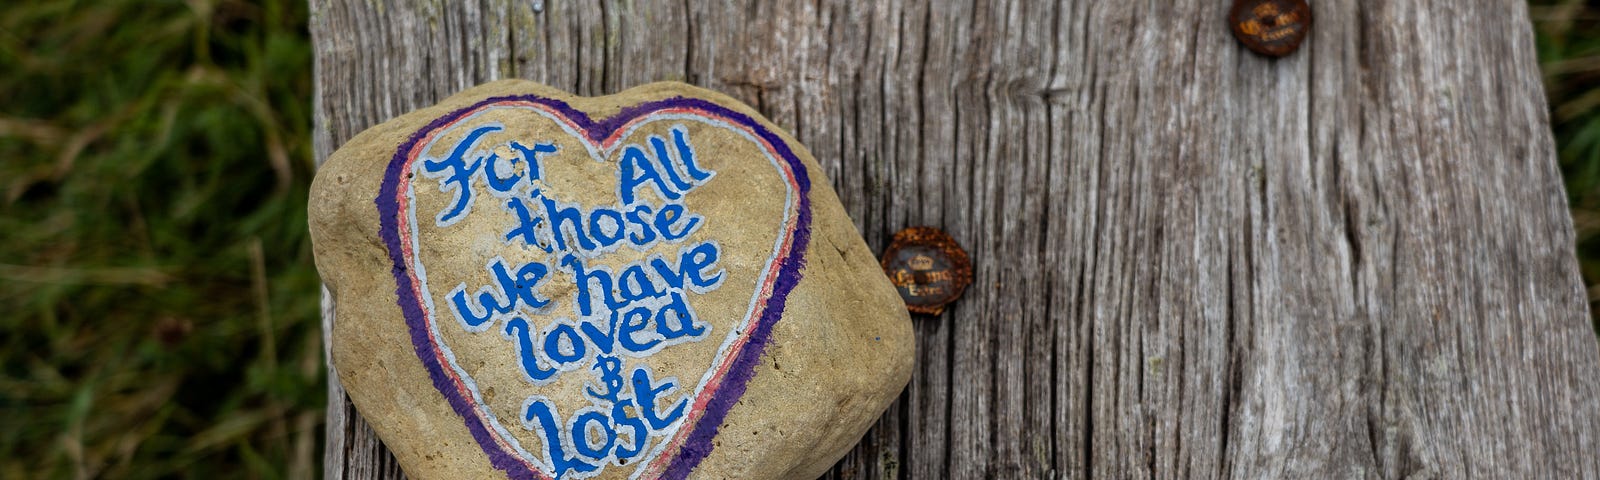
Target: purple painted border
(698, 444)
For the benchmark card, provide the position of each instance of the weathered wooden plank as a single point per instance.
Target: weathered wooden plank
(1192, 261)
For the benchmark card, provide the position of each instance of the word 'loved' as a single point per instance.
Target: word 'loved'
(630, 311)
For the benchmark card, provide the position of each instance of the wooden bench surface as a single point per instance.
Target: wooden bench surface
(1192, 261)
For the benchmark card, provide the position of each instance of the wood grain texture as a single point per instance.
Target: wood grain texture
(1192, 261)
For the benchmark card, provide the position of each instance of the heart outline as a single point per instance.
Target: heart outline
(692, 441)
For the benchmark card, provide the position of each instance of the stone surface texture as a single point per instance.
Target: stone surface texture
(840, 352)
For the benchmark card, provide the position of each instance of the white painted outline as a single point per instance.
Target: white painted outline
(722, 355)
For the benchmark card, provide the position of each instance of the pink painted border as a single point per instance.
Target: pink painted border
(673, 460)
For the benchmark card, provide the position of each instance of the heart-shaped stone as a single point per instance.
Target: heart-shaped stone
(531, 284)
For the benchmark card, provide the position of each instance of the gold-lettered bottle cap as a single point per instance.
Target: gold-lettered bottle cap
(1270, 27)
(928, 268)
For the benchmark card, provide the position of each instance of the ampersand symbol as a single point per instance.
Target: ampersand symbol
(610, 376)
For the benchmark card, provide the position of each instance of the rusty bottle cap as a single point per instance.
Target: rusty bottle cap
(928, 269)
(1270, 27)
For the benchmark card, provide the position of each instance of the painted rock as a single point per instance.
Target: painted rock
(655, 284)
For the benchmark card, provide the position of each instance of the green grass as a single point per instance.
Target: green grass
(160, 311)
(1569, 53)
